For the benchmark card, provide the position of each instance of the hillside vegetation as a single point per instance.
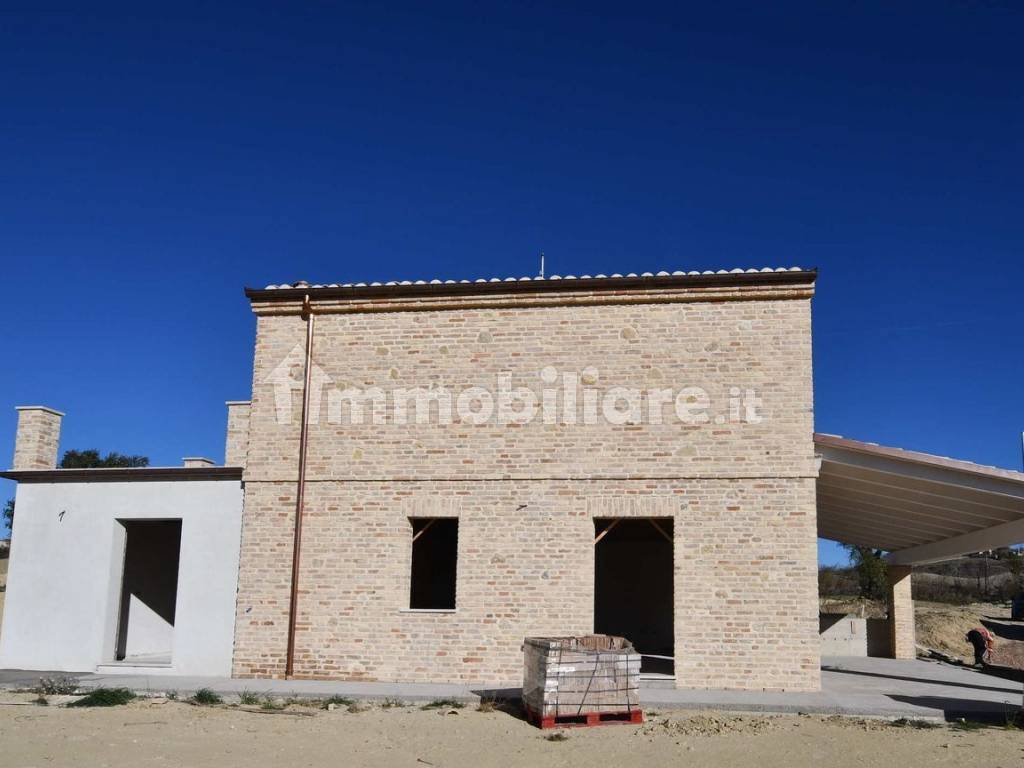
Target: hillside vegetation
(950, 599)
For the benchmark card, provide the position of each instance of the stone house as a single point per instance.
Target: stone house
(427, 473)
(735, 584)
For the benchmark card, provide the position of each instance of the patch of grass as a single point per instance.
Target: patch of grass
(338, 701)
(171, 695)
(248, 698)
(41, 701)
(486, 705)
(1014, 721)
(272, 705)
(964, 724)
(556, 736)
(57, 686)
(904, 722)
(444, 704)
(206, 697)
(392, 703)
(104, 697)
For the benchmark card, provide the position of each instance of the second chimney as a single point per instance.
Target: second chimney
(237, 444)
(38, 437)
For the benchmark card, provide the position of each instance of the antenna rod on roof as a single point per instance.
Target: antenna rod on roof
(541, 265)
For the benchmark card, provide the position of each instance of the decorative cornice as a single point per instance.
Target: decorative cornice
(743, 286)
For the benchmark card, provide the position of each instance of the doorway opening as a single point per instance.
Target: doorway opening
(633, 588)
(149, 591)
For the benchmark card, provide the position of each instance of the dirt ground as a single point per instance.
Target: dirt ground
(943, 627)
(172, 733)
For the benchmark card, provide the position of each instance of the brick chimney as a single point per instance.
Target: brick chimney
(38, 438)
(237, 445)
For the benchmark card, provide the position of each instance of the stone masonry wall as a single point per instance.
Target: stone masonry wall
(237, 442)
(38, 438)
(741, 494)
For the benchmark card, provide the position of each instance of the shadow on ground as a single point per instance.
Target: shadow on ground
(507, 700)
(954, 709)
(1003, 628)
(924, 680)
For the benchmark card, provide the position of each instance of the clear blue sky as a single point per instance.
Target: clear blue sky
(152, 166)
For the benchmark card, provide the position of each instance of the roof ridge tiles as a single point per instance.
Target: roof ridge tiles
(541, 279)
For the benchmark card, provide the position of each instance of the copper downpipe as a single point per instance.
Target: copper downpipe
(300, 491)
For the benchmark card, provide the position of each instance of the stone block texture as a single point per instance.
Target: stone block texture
(526, 495)
(237, 444)
(38, 437)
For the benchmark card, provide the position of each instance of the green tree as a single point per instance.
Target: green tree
(871, 571)
(90, 458)
(87, 459)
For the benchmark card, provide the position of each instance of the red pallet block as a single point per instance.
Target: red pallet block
(588, 719)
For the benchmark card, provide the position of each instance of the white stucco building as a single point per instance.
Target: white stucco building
(120, 569)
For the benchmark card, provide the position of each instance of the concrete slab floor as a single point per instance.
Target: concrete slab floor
(864, 687)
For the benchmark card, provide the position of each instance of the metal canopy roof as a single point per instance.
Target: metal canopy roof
(920, 508)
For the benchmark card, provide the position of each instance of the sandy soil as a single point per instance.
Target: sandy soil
(168, 733)
(943, 627)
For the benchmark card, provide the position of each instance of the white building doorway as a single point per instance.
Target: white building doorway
(149, 592)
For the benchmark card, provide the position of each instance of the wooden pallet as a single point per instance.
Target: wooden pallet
(585, 720)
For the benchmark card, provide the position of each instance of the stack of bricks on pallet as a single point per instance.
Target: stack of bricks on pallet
(570, 676)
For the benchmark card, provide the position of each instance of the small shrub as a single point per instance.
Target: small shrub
(57, 686)
(248, 698)
(485, 705)
(272, 705)
(392, 703)
(967, 725)
(171, 695)
(444, 704)
(104, 697)
(41, 701)
(206, 697)
(904, 722)
(338, 701)
(557, 736)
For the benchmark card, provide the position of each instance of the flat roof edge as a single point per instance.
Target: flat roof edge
(121, 474)
(917, 457)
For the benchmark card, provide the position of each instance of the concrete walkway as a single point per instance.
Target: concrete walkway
(865, 687)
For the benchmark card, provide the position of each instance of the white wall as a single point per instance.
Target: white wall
(148, 633)
(64, 579)
(843, 635)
